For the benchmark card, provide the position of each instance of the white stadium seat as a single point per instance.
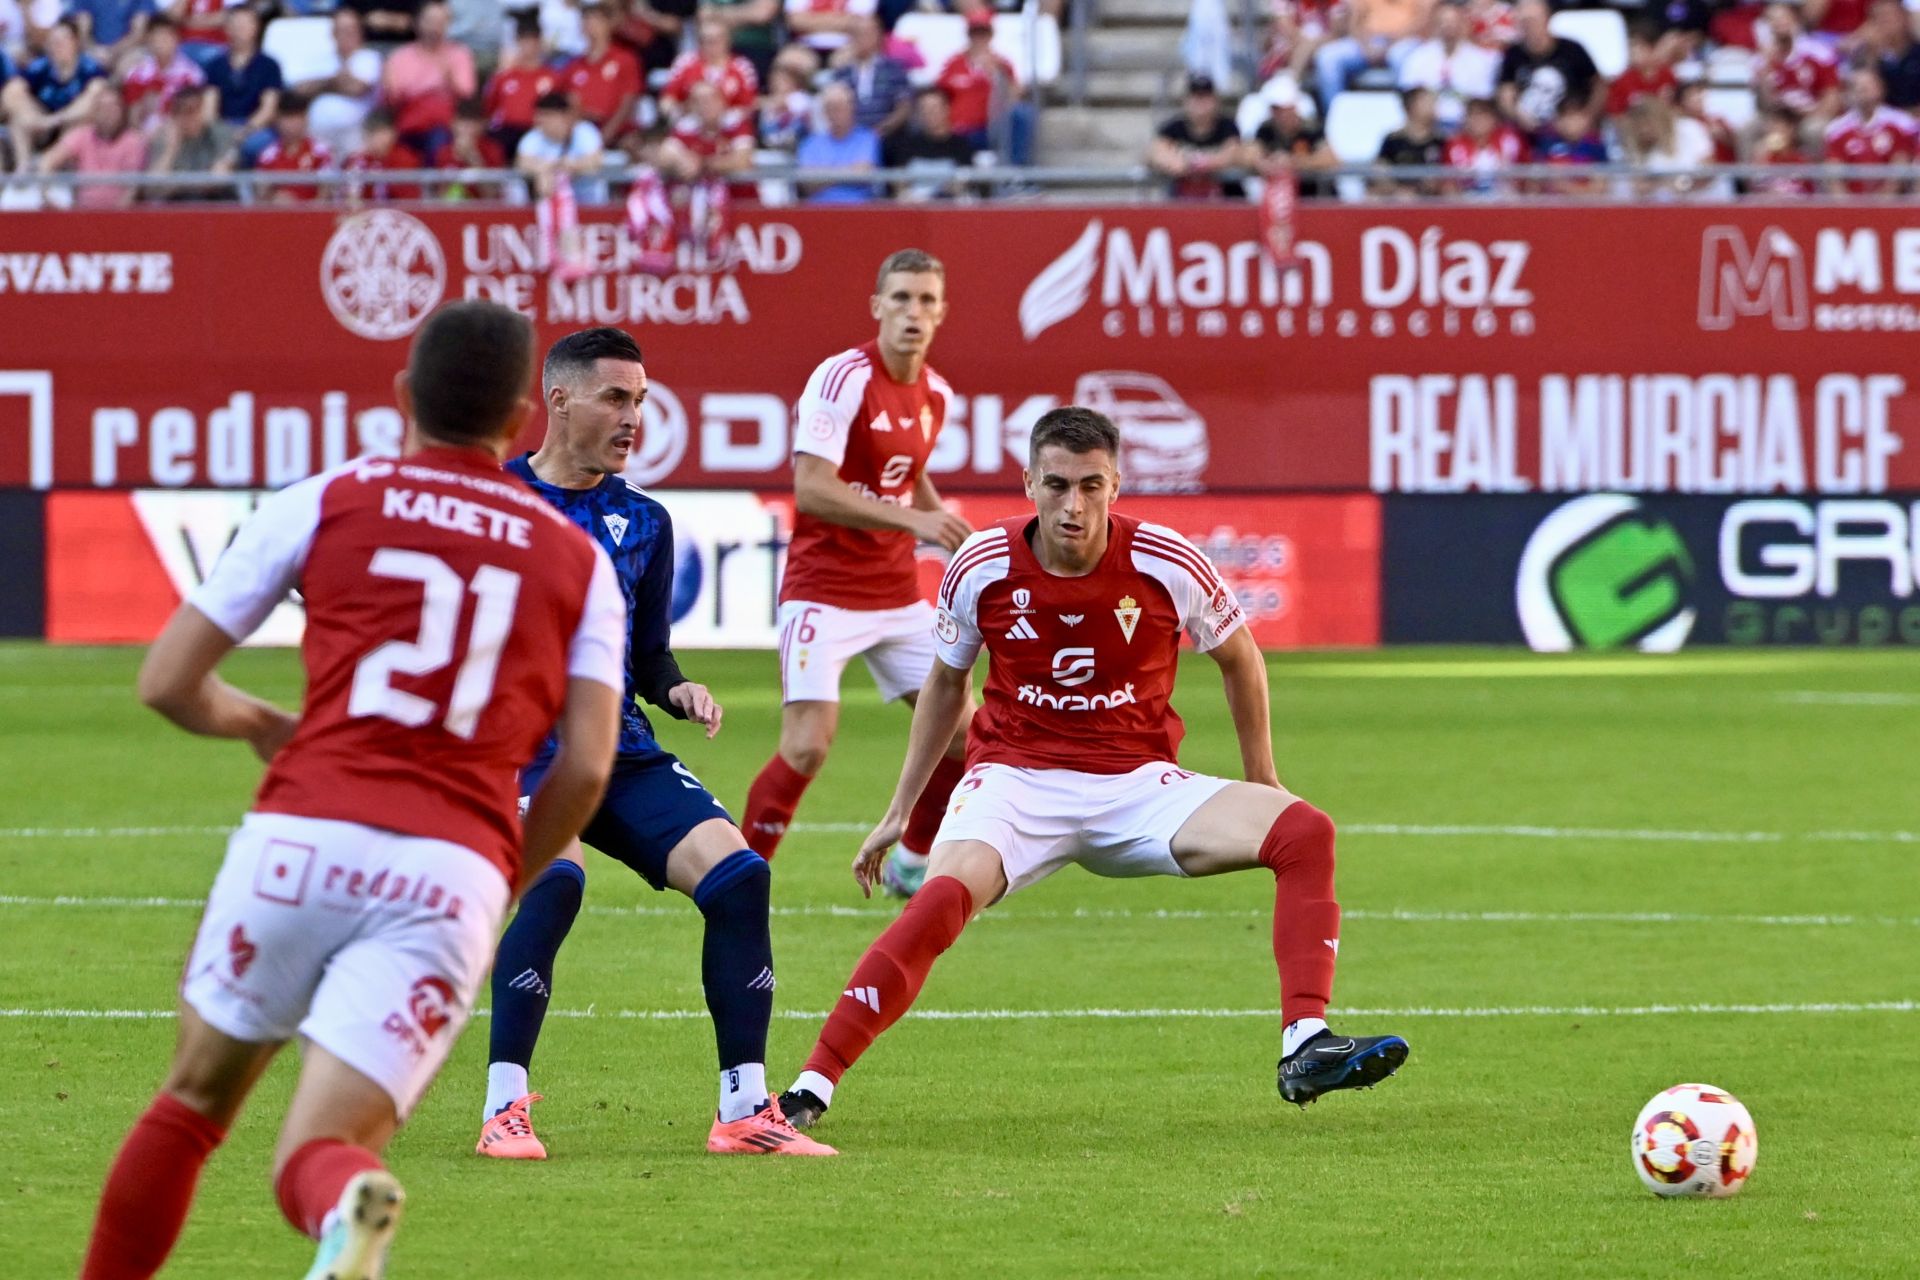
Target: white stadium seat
(1730, 64)
(1736, 106)
(302, 46)
(1602, 31)
(937, 37)
(1359, 120)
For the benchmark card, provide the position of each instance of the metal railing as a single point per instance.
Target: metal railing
(781, 184)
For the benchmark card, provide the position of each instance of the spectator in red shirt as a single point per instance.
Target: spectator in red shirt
(424, 80)
(103, 144)
(604, 82)
(161, 71)
(522, 80)
(292, 151)
(709, 140)
(715, 63)
(1485, 145)
(1693, 105)
(1648, 73)
(1835, 18)
(1778, 143)
(1869, 132)
(470, 148)
(979, 83)
(381, 151)
(1798, 73)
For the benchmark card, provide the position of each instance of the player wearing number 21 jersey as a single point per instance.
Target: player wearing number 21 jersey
(1073, 758)
(866, 423)
(453, 618)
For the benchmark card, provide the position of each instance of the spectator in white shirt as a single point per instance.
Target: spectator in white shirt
(347, 87)
(561, 144)
(1452, 65)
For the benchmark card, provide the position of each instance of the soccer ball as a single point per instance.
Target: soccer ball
(1694, 1140)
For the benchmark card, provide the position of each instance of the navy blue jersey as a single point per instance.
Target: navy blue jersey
(637, 535)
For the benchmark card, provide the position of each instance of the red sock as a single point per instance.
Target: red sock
(1306, 919)
(310, 1183)
(924, 822)
(771, 800)
(149, 1190)
(889, 975)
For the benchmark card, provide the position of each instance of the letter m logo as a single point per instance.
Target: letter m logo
(1742, 280)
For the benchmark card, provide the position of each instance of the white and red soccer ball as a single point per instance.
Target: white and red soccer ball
(1694, 1140)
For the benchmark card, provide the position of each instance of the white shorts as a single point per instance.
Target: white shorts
(1113, 824)
(817, 641)
(368, 943)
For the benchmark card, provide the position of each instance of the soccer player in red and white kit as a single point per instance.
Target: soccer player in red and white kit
(453, 619)
(866, 423)
(1073, 758)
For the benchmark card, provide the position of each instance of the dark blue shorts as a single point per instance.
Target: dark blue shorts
(652, 802)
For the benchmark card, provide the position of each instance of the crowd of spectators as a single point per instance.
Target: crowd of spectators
(693, 89)
(1485, 86)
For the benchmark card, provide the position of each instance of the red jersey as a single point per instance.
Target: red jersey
(734, 134)
(511, 94)
(399, 157)
(736, 79)
(146, 78)
(1082, 668)
(878, 432)
(1634, 84)
(203, 22)
(1843, 17)
(1502, 149)
(1885, 137)
(970, 89)
(599, 85)
(447, 606)
(1801, 78)
(304, 156)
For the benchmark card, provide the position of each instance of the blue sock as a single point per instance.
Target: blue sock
(523, 968)
(736, 960)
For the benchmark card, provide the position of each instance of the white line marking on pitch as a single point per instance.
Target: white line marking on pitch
(1827, 698)
(1044, 1015)
(1654, 835)
(1393, 916)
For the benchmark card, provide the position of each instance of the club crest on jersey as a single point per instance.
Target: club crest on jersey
(617, 526)
(1129, 616)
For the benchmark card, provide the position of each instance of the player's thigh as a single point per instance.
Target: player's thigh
(974, 863)
(816, 642)
(211, 1071)
(337, 1101)
(1134, 819)
(652, 805)
(1225, 833)
(1027, 817)
(902, 652)
(700, 851)
(268, 933)
(394, 1000)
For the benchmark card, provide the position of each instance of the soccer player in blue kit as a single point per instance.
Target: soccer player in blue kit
(657, 817)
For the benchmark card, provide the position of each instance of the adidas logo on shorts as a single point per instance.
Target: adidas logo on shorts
(1022, 630)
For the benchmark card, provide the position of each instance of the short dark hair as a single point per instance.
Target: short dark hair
(1076, 429)
(912, 261)
(378, 118)
(470, 109)
(469, 369)
(577, 352)
(552, 102)
(526, 23)
(293, 104)
(161, 22)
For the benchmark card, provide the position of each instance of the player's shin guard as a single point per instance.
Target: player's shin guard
(771, 800)
(889, 976)
(311, 1181)
(523, 969)
(736, 967)
(923, 822)
(1306, 918)
(149, 1190)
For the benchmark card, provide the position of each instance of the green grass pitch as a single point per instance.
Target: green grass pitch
(1570, 882)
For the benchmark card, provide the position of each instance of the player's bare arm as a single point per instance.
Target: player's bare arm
(588, 731)
(1243, 673)
(937, 713)
(177, 680)
(819, 491)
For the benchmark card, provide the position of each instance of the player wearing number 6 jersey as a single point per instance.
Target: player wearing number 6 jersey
(1073, 758)
(866, 423)
(452, 619)
(656, 817)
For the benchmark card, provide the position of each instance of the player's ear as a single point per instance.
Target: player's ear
(1026, 480)
(873, 306)
(403, 395)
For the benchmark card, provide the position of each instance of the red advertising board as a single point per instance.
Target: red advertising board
(1306, 567)
(1704, 348)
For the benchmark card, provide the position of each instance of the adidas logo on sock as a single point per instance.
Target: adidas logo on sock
(529, 981)
(868, 996)
(762, 983)
(1334, 943)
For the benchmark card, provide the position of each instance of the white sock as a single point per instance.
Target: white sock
(743, 1091)
(908, 858)
(817, 1085)
(1298, 1033)
(506, 1085)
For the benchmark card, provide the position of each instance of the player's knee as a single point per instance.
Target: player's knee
(806, 754)
(1301, 836)
(204, 1095)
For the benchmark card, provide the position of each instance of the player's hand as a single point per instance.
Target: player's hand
(693, 701)
(942, 528)
(873, 853)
